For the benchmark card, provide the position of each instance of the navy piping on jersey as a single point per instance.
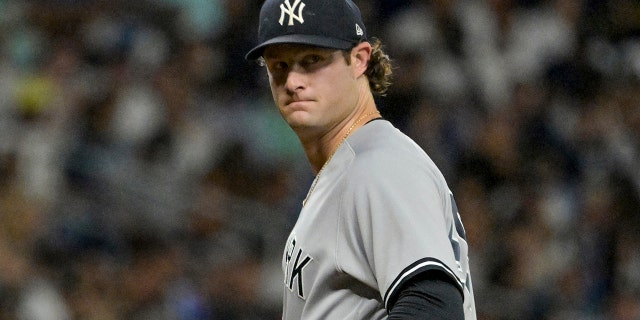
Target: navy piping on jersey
(374, 119)
(415, 268)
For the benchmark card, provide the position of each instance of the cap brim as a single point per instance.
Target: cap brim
(312, 40)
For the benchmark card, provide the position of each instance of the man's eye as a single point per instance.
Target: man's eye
(310, 60)
(278, 66)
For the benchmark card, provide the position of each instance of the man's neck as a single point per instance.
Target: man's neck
(320, 151)
(320, 146)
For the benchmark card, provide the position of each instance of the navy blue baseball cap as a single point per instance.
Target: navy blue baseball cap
(323, 23)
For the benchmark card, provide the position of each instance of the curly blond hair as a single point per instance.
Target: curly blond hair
(379, 69)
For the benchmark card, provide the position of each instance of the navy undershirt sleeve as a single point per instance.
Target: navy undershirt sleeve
(430, 295)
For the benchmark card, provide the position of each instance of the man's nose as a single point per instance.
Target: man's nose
(295, 79)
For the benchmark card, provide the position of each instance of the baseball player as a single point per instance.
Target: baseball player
(379, 235)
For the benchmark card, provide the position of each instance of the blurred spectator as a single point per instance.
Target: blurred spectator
(145, 174)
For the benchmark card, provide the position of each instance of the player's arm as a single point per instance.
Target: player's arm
(430, 295)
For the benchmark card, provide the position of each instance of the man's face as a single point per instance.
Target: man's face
(314, 88)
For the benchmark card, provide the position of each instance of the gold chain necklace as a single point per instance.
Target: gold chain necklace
(315, 181)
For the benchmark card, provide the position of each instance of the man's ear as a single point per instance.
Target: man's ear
(360, 56)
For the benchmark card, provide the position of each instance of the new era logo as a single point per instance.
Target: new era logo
(359, 30)
(287, 8)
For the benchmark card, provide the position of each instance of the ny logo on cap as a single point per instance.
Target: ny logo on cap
(289, 9)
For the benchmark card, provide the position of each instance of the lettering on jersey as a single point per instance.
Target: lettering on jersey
(295, 260)
(458, 238)
(287, 8)
(456, 217)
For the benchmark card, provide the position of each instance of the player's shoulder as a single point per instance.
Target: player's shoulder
(381, 150)
(380, 137)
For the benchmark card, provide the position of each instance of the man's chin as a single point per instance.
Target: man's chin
(301, 127)
(298, 118)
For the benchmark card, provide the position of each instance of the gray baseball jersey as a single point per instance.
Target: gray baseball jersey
(380, 213)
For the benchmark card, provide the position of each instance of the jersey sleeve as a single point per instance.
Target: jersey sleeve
(400, 223)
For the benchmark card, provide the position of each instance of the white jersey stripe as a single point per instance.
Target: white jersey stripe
(419, 267)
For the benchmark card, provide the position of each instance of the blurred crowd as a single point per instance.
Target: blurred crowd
(146, 174)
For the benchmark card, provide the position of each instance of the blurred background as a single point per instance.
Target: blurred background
(146, 174)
